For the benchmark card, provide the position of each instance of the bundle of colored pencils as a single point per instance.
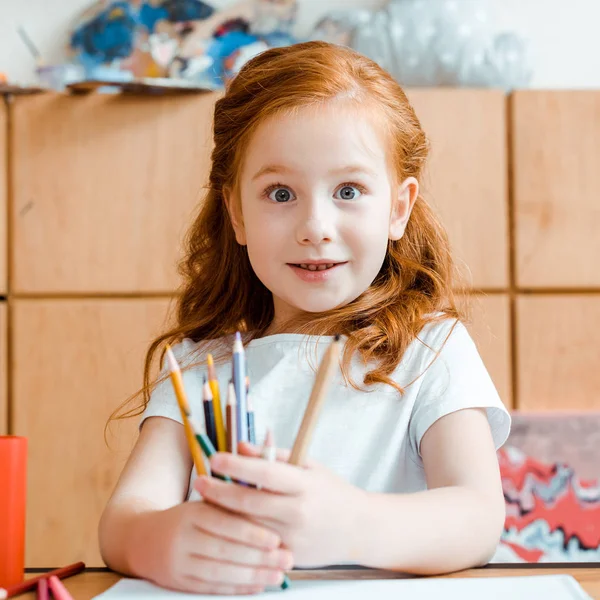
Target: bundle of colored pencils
(45, 582)
(238, 425)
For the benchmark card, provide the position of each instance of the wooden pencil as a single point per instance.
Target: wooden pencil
(250, 415)
(239, 381)
(205, 443)
(323, 379)
(217, 409)
(209, 415)
(177, 380)
(231, 415)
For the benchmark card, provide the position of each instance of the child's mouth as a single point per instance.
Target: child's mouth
(312, 267)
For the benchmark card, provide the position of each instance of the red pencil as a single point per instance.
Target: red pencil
(30, 584)
(59, 591)
(42, 590)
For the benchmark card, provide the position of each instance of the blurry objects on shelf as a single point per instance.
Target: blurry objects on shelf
(125, 40)
(433, 43)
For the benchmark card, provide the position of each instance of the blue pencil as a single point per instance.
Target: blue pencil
(239, 383)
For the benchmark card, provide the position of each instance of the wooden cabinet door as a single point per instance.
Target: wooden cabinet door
(490, 329)
(74, 362)
(3, 196)
(466, 180)
(558, 352)
(556, 179)
(104, 189)
(3, 371)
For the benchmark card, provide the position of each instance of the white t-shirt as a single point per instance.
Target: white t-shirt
(371, 439)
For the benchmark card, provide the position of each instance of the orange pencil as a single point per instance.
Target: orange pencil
(29, 584)
(177, 381)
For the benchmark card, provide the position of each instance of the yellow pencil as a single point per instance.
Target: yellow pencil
(217, 410)
(177, 381)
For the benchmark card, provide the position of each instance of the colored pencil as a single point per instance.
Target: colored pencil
(205, 443)
(42, 590)
(209, 417)
(30, 584)
(251, 434)
(231, 415)
(315, 403)
(269, 453)
(177, 381)
(239, 382)
(217, 409)
(59, 591)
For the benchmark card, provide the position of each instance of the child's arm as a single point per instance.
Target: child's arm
(454, 525)
(147, 530)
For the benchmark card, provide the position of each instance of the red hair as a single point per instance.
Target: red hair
(221, 293)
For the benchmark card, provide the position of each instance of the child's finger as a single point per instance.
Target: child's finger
(248, 501)
(214, 571)
(277, 477)
(213, 547)
(215, 521)
(196, 586)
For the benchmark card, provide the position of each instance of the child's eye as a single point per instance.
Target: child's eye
(349, 192)
(279, 194)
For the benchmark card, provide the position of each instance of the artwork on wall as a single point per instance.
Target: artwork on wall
(184, 39)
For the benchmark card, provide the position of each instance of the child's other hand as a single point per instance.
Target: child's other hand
(201, 548)
(314, 511)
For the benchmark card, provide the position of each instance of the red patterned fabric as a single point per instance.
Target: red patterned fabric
(551, 514)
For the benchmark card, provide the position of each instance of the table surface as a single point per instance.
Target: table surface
(92, 582)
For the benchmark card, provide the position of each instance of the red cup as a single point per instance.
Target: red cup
(13, 483)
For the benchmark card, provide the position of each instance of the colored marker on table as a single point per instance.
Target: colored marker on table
(239, 383)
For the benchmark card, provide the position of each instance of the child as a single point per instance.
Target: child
(313, 226)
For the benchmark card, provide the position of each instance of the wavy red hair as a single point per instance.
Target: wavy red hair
(220, 292)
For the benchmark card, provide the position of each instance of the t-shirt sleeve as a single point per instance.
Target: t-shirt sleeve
(163, 402)
(454, 380)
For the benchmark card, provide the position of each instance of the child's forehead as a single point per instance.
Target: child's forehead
(322, 137)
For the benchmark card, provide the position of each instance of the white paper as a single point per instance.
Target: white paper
(546, 587)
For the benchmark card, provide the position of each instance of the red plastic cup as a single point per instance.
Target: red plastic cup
(13, 484)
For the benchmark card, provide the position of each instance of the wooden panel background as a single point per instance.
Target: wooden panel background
(559, 352)
(104, 187)
(3, 198)
(74, 362)
(556, 137)
(467, 177)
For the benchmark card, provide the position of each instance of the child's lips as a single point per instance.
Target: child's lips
(318, 275)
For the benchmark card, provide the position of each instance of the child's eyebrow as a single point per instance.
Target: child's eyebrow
(349, 169)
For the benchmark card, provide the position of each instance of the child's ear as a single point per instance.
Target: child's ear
(402, 205)
(235, 214)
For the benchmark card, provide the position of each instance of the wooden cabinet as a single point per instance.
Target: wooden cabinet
(467, 177)
(490, 328)
(558, 352)
(556, 178)
(3, 198)
(104, 188)
(3, 371)
(74, 362)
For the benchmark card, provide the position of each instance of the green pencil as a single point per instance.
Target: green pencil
(205, 444)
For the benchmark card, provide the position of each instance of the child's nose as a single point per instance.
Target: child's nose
(314, 231)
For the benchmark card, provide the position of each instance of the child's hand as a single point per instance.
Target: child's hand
(200, 548)
(315, 512)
